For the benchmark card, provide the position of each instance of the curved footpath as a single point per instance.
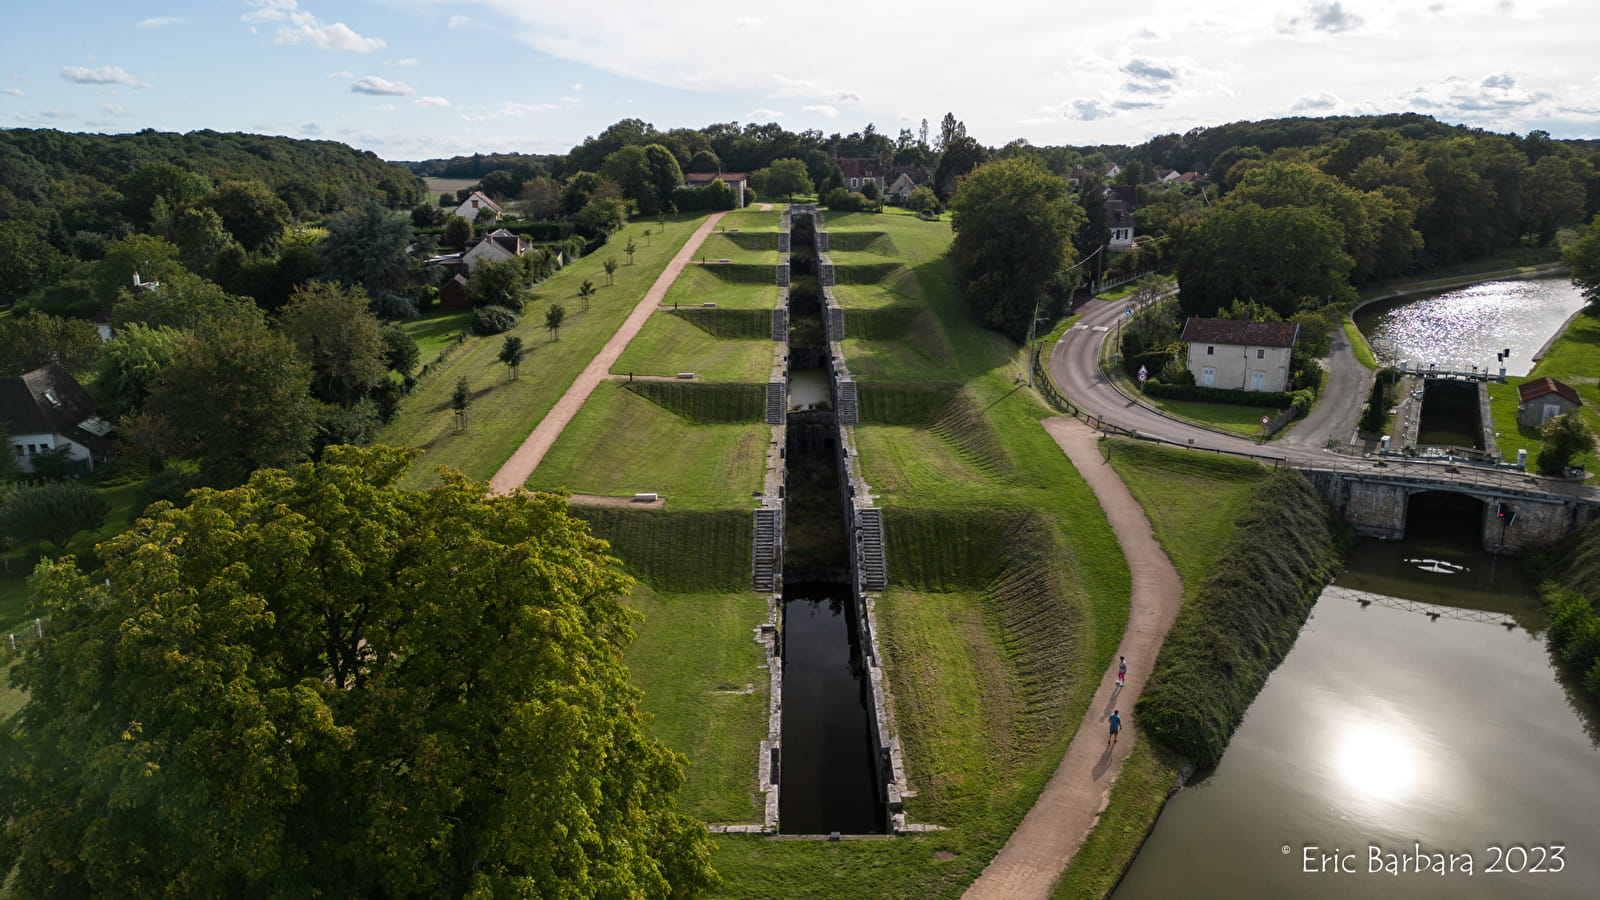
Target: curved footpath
(516, 470)
(1039, 850)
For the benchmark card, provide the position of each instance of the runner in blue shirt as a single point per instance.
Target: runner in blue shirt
(1116, 725)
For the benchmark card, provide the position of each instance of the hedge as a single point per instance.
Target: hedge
(1270, 399)
(1572, 593)
(1289, 544)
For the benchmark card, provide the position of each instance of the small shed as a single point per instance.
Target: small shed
(1542, 399)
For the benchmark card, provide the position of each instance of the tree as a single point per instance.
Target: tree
(1583, 257)
(36, 339)
(786, 177)
(319, 684)
(541, 198)
(183, 301)
(236, 398)
(334, 331)
(27, 261)
(53, 512)
(1013, 221)
(1284, 258)
(130, 364)
(611, 270)
(631, 249)
(400, 351)
(1565, 438)
(511, 354)
(960, 156)
(460, 399)
(585, 291)
(496, 283)
(457, 231)
(152, 258)
(201, 238)
(922, 200)
(366, 246)
(553, 318)
(252, 213)
(601, 217)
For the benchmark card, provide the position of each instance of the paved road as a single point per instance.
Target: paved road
(1074, 367)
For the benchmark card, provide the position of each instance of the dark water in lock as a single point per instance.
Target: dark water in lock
(827, 780)
(1390, 727)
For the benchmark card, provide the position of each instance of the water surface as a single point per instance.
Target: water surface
(1466, 327)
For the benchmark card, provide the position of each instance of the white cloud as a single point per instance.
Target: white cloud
(296, 26)
(311, 128)
(102, 75)
(113, 109)
(571, 101)
(822, 109)
(161, 21)
(372, 84)
(763, 115)
(510, 109)
(333, 75)
(461, 22)
(1321, 102)
(15, 92)
(577, 88)
(402, 63)
(430, 101)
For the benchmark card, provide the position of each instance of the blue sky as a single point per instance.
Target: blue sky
(412, 79)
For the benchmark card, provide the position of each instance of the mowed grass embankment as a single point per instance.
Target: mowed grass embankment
(1008, 593)
(671, 343)
(709, 704)
(621, 444)
(735, 287)
(504, 411)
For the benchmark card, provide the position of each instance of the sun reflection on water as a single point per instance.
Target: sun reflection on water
(1377, 762)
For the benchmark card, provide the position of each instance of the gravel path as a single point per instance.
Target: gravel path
(516, 470)
(1042, 846)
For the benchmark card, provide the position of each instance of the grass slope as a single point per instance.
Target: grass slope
(671, 343)
(504, 411)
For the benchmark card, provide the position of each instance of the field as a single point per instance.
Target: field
(437, 186)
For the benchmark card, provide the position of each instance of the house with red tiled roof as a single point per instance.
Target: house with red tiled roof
(1542, 399)
(1240, 356)
(858, 170)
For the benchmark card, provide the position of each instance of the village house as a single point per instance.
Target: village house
(735, 181)
(1542, 399)
(1240, 356)
(496, 246)
(1119, 216)
(860, 170)
(902, 187)
(475, 204)
(47, 411)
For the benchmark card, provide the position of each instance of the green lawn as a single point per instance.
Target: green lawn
(1245, 420)
(435, 331)
(620, 444)
(503, 411)
(668, 345)
(1358, 343)
(711, 704)
(699, 285)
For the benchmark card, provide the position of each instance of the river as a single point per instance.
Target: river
(1466, 327)
(1398, 729)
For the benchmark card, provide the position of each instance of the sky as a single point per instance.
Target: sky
(418, 79)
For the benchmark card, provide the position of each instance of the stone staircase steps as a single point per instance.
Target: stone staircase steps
(869, 547)
(768, 554)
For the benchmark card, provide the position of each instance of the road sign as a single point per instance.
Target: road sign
(1265, 420)
(1128, 311)
(1143, 373)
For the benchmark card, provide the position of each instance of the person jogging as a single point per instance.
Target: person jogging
(1116, 725)
(1122, 670)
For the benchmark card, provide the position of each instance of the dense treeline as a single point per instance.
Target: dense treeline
(1230, 636)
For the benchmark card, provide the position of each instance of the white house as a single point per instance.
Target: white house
(47, 411)
(734, 180)
(1119, 216)
(476, 203)
(902, 187)
(1240, 356)
(859, 170)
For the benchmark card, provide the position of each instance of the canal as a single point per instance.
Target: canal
(1464, 328)
(1444, 724)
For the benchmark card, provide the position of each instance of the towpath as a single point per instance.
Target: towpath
(1039, 850)
(516, 470)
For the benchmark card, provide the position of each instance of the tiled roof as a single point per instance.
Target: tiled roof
(860, 166)
(1532, 390)
(700, 179)
(47, 400)
(1242, 334)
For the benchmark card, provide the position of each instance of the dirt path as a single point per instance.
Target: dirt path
(1039, 850)
(528, 456)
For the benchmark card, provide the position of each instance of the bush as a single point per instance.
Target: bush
(1268, 399)
(1376, 413)
(493, 320)
(841, 200)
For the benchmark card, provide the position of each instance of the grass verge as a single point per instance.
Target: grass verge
(1358, 344)
(1148, 777)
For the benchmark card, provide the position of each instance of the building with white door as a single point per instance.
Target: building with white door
(1240, 356)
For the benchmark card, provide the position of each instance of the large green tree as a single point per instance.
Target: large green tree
(30, 341)
(1583, 257)
(785, 177)
(236, 398)
(253, 214)
(130, 364)
(1285, 258)
(52, 512)
(318, 684)
(366, 246)
(1014, 222)
(334, 331)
